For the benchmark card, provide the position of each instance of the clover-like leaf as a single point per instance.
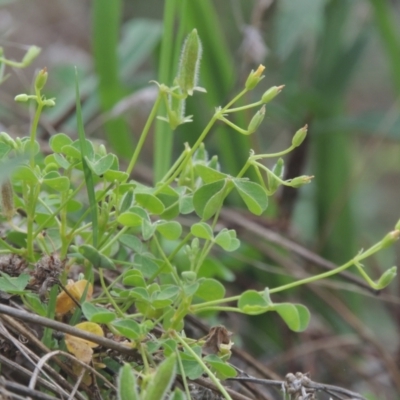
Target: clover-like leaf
(252, 303)
(25, 174)
(202, 230)
(171, 230)
(134, 277)
(101, 166)
(222, 369)
(252, 194)
(210, 289)
(98, 259)
(296, 316)
(128, 328)
(56, 181)
(209, 198)
(227, 240)
(58, 141)
(97, 314)
(207, 174)
(150, 203)
(13, 285)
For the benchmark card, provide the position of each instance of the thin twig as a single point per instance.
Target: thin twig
(23, 390)
(36, 319)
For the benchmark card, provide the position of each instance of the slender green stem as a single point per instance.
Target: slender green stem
(272, 155)
(9, 248)
(34, 126)
(233, 126)
(167, 262)
(182, 371)
(114, 239)
(60, 207)
(354, 261)
(203, 365)
(180, 245)
(143, 136)
(242, 108)
(107, 293)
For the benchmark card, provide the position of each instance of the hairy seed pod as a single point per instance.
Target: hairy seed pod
(7, 199)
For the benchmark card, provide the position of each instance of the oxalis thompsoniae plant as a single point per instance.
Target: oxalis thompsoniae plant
(134, 229)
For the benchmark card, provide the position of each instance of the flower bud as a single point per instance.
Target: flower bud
(390, 238)
(256, 120)
(7, 199)
(41, 79)
(190, 63)
(21, 98)
(30, 55)
(189, 276)
(6, 138)
(386, 278)
(271, 93)
(397, 226)
(300, 181)
(299, 136)
(254, 78)
(49, 103)
(278, 170)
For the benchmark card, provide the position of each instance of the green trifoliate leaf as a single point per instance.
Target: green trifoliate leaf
(296, 316)
(202, 230)
(98, 259)
(253, 195)
(210, 289)
(209, 198)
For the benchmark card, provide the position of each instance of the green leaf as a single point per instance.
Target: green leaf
(132, 242)
(61, 183)
(113, 175)
(128, 328)
(100, 167)
(223, 369)
(13, 285)
(148, 229)
(71, 151)
(227, 240)
(95, 257)
(170, 200)
(4, 150)
(168, 292)
(252, 303)
(146, 265)
(210, 289)
(58, 141)
(97, 314)
(202, 230)
(171, 230)
(209, 175)
(25, 174)
(186, 204)
(150, 203)
(133, 217)
(35, 303)
(209, 198)
(73, 205)
(177, 394)
(126, 202)
(253, 195)
(191, 367)
(126, 382)
(296, 316)
(134, 277)
(161, 382)
(61, 161)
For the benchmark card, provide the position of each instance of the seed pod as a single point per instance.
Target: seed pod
(390, 238)
(127, 388)
(7, 199)
(41, 79)
(190, 63)
(162, 380)
(271, 93)
(256, 120)
(386, 278)
(300, 181)
(30, 55)
(299, 136)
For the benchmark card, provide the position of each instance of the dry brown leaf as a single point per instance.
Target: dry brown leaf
(65, 303)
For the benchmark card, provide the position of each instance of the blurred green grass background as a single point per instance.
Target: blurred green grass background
(340, 63)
